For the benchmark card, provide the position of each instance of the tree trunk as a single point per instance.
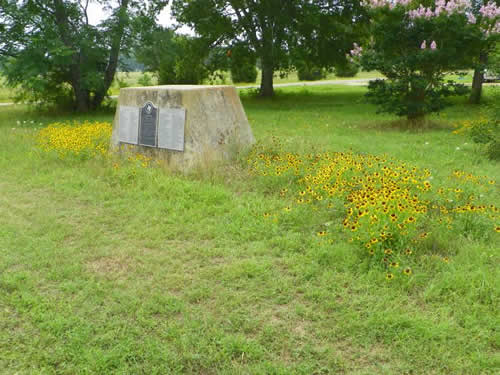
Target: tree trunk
(82, 99)
(266, 83)
(477, 81)
(114, 53)
(416, 118)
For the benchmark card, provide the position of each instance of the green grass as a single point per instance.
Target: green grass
(141, 271)
(130, 79)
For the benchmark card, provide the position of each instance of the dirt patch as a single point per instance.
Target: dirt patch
(111, 267)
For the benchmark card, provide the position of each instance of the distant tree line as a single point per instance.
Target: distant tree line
(51, 53)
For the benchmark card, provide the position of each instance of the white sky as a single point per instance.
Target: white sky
(97, 14)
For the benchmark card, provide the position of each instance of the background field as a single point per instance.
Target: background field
(138, 270)
(130, 79)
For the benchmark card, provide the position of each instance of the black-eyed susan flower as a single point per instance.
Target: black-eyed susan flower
(394, 264)
(389, 276)
(387, 251)
(321, 233)
(446, 259)
(407, 271)
(408, 252)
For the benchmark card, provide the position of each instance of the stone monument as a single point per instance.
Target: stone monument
(184, 126)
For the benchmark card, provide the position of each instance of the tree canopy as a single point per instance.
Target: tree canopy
(277, 32)
(51, 51)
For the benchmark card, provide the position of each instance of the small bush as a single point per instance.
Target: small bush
(122, 83)
(145, 80)
(346, 70)
(246, 72)
(242, 63)
(311, 73)
(486, 130)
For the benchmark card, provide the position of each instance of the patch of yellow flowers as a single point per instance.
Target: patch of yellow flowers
(387, 205)
(84, 139)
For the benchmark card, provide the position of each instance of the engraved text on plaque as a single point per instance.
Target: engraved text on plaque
(148, 125)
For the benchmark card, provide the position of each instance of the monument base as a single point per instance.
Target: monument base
(180, 125)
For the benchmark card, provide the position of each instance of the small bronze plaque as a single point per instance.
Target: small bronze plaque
(148, 126)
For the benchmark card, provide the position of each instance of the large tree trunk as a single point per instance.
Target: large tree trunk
(82, 101)
(477, 80)
(266, 83)
(114, 53)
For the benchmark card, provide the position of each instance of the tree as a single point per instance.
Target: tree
(51, 51)
(485, 15)
(275, 29)
(414, 47)
(177, 58)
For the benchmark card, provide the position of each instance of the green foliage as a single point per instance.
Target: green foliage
(246, 72)
(175, 58)
(275, 31)
(145, 79)
(307, 72)
(347, 69)
(52, 54)
(486, 130)
(412, 96)
(121, 82)
(243, 64)
(414, 55)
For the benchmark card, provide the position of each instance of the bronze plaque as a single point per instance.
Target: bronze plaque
(148, 125)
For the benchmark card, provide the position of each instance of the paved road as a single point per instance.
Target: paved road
(349, 82)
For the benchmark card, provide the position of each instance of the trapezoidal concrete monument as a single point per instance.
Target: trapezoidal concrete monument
(184, 126)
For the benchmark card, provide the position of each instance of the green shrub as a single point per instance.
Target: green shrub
(122, 83)
(310, 73)
(145, 80)
(242, 63)
(246, 72)
(175, 58)
(486, 130)
(346, 70)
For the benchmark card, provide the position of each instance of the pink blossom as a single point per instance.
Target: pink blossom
(433, 45)
(356, 51)
(490, 10)
(471, 18)
(423, 45)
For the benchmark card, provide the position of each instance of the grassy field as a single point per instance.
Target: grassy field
(131, 79)
(106, 267)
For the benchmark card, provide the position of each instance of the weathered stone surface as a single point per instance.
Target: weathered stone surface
(215, 127)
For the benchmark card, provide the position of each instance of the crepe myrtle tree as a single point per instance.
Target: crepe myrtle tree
(485, 14)
(52, 53)
(414, 46)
